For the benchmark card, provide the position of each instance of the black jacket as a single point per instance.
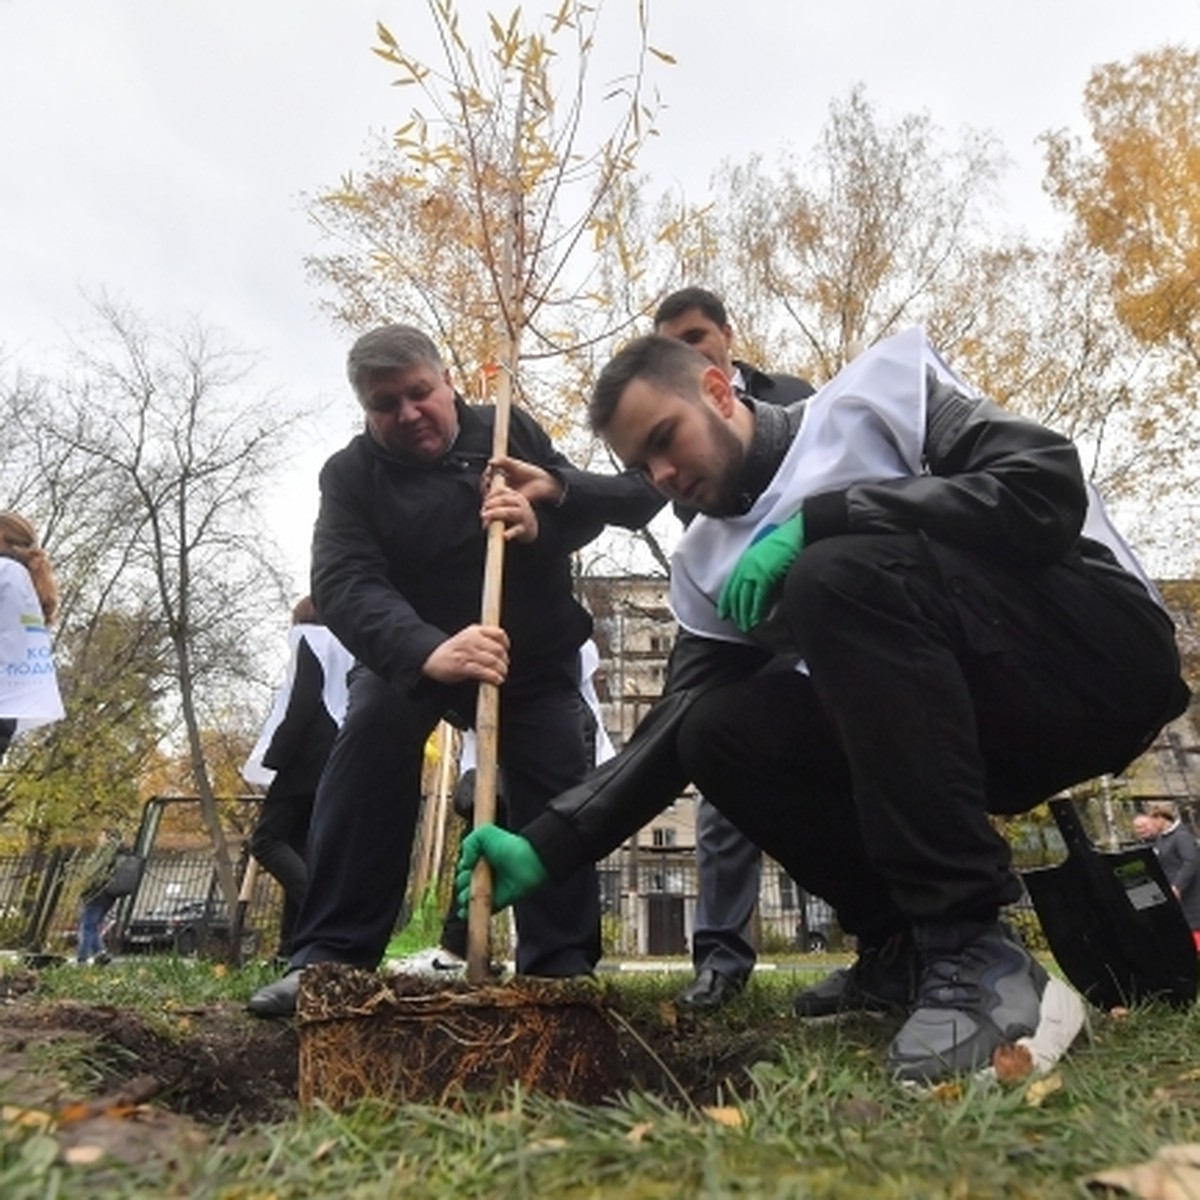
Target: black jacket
(302, 740)
(992, 480)
(772, 389)
(398, 551)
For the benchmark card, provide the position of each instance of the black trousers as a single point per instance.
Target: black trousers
(942, 686)
(278, 842)
(367, 805)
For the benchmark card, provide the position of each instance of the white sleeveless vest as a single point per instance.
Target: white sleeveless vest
(335, 661)
(866, 424)
(28, 681)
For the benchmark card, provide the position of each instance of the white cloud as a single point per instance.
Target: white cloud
(160, 150)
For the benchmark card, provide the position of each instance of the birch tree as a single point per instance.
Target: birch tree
(492, 218)
(1134, 192)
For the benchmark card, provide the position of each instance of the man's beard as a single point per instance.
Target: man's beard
(730, 458)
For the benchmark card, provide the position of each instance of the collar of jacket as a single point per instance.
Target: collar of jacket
(754, 381)
(774, 431)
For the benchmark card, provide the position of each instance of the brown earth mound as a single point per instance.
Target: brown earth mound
(219, 1067)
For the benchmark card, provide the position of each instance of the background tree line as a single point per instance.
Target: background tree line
(496, 217)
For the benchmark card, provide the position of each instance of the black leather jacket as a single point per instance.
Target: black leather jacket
(992, 481)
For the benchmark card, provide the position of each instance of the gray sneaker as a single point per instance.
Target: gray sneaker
(980, 990)
(882, 979)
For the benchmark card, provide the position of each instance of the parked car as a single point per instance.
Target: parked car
(181, 926)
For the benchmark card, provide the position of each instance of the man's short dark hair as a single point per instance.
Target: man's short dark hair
(304, 612)
(667, 362)
(677, 303)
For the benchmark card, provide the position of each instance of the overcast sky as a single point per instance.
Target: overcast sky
(160, 149)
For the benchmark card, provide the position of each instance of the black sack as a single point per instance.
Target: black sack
(126, 874)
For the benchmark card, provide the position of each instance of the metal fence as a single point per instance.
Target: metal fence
(177, 907)
(648, 897)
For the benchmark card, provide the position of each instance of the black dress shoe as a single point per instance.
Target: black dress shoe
(710, 989)
(277, 999)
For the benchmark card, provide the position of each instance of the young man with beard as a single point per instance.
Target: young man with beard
(973, 637)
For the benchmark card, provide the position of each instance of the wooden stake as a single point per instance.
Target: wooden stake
(487, 715)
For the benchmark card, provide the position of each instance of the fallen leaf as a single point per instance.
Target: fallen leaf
(121, 1105)
(668, 1014)
(1172, 1174)
(1040, 1089)
(730, 1117)
(948, 1091)
(546, 1145)
(122, 1112)
(325, 1148)
(83, 1156)
(1012, 1063)
(638, 1133)
(1182, 1152)
(28, 1118)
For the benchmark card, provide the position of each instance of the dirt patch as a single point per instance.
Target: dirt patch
(216, 1065)
(132, 1086)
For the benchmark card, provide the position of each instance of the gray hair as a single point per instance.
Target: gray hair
(389, 348)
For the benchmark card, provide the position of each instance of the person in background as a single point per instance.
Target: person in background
(29, 694)
(1176, 848)
(728, 864)
(97, 900)
(1145, 828)
(291, 753)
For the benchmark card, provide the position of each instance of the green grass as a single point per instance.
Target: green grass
(422, 929)
(816, 1118)
(152, 983)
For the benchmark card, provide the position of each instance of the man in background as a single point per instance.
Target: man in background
(1176, 848)
(97, 898)
(728, 864)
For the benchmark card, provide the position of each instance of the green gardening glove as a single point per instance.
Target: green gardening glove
(516, 868)
(749, 590)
